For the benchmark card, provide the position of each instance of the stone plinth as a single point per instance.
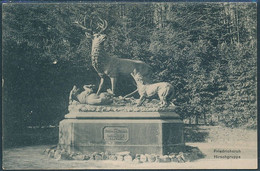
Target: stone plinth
(138, 132)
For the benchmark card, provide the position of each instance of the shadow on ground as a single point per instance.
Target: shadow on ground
(195, 133)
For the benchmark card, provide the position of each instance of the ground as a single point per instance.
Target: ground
(206, 138)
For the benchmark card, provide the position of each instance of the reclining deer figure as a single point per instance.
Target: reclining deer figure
(111, 66)
(88, 97)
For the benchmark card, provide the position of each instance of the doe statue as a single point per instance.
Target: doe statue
(107, 65)
(88, 97)
(164, 90)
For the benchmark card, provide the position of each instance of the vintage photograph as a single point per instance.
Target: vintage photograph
(129, 85)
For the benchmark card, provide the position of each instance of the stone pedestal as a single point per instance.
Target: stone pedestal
(138, 132)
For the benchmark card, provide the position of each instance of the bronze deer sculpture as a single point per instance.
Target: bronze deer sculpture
(111, 66)
(164, 90)
(88, 97)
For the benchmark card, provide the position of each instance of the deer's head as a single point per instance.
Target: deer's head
(97, 37)
(137, 76)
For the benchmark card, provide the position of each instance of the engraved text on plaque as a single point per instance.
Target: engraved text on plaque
(116, 134)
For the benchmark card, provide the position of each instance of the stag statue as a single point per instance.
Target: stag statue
(107, 65)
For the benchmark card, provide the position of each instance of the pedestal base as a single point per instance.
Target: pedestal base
(140, 133)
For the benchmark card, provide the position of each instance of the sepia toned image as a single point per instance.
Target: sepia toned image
(129, 85)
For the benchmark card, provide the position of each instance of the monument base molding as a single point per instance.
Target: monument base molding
(146, 133)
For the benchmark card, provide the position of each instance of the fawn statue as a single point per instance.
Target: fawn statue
(88, 97)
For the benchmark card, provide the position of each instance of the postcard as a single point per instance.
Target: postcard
(129, 85)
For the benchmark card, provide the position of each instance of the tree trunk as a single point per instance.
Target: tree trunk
(205, 120)
(196, 120)
(237, 24)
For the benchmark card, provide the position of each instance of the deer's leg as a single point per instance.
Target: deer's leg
(140, 101)
(113, 83)
(163, 100)
(100, 85)
(164, 103)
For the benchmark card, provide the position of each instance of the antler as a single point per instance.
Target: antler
(102, 25)
(80, 25)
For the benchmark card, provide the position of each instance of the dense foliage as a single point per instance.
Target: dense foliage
(206, 50)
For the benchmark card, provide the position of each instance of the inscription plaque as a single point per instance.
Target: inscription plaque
(116, 134)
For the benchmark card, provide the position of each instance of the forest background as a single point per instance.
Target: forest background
(207, 51)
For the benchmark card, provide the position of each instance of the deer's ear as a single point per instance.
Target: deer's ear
(88, 35)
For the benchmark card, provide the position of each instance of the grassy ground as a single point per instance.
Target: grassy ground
(206, 138)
